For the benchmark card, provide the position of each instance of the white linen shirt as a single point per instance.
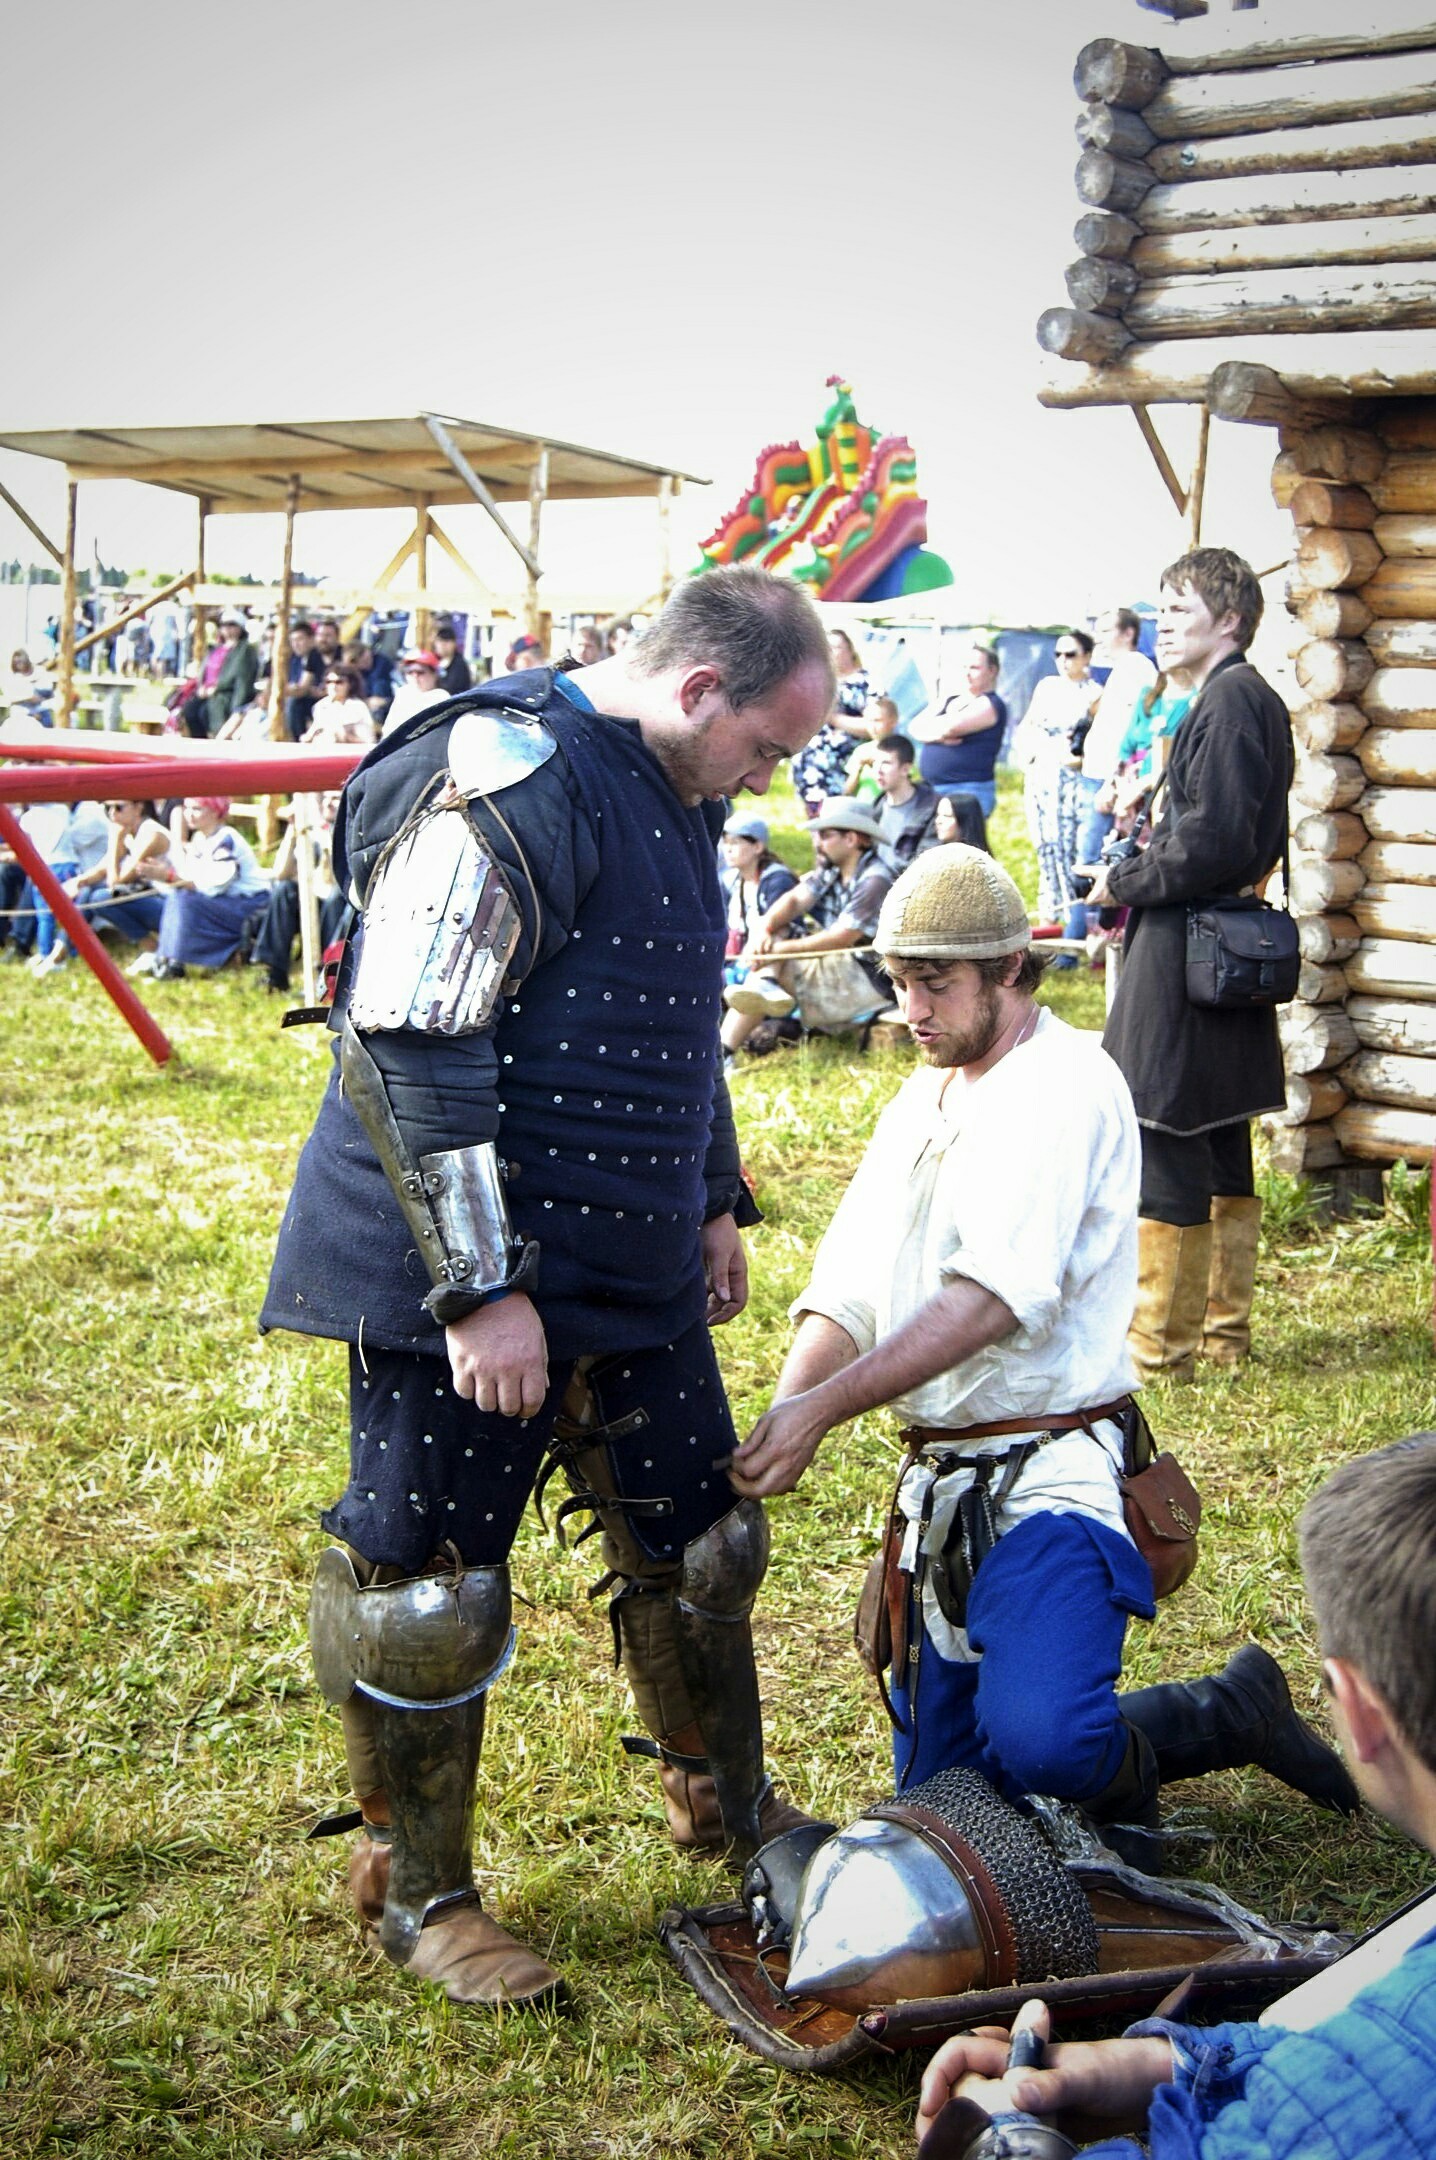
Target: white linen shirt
(1024, 1181)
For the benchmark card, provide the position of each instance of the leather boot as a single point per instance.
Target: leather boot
(463, 1951)
(1173, 1265)
(1125, 1811)
(1236, 1233)
(690, 1797)
(1242, 1715)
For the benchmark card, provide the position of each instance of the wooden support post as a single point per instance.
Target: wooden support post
(665, 536)
(142, 607)
(423, 625)
(1158, 449)
(1197, 491)
(198, 615)
(477, 489)
(303, 837)
(538, 492)
(66, 686)
(30, 526)
(268, 829)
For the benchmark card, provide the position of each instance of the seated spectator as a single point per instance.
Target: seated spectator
(237, 674)
(249, 723)
(123, 891)
(191, 699)
(906, 807)
(304, 682)
(957, 817)
(880, 718)
(827, 975)
(1350, 2073)
(421, 688)
(525, 652)
(962, 742)
(274, 944)
(820, 769)
(27, 695)
(79, 841)
(455, 674)
(217, 886)
(376, 677)
(757, 880)
(341, 715)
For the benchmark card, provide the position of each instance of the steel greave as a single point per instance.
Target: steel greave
(430, 1763)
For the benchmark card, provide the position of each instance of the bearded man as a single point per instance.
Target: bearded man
(539, 969)
(979, 1277)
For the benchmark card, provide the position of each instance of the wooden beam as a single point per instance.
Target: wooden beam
(1111, 127)
(1245, 102)
(1111, 72)
(479, 492)
(1369, 241)
(268, 827)
(466, 569)
(538, 491)
(1099, 287)
(1113, 183)
(1244, 390)
(1299, 30)
(211, 473)
(1344, 145)
(1328, 296)
(66, 686)
(1329, 365)
(1289, 199)
(1106, 233)
(1197, 491)
(55, 554)
(1164, 464)
(1072, 334)
(423, 619)
(197, 613)
(142, 607)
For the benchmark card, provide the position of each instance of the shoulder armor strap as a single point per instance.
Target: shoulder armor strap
(491, 749)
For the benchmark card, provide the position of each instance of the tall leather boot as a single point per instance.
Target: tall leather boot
(409, 1662)
(1242, 1715)
(1173, 1265)
(1236, 1234)
(1125, 1811)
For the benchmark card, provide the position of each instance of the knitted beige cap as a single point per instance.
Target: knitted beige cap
(953, 903)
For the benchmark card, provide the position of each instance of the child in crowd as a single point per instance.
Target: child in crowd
(880, 718)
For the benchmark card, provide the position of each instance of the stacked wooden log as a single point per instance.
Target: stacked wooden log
(1360, 1040)
(1237, 206)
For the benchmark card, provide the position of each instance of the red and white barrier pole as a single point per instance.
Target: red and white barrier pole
(244, 773)
(82, 937)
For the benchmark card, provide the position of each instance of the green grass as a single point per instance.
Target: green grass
(177, 1970)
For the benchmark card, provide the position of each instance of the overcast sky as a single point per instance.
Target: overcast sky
(654, 228)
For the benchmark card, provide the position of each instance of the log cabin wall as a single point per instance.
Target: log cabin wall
(1257, 234)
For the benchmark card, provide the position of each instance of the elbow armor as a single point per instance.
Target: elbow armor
(453, 1202)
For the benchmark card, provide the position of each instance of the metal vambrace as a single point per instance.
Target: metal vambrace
(721, 1574)
(454, 1203)
(423, 1653)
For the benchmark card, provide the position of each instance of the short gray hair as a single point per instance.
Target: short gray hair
(1368, 1552)
(756, 630)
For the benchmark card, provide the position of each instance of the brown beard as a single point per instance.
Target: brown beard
(963, 1049)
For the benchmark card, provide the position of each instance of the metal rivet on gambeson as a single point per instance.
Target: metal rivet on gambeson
(548, 1203)
(583, 1211)
(468, 1454)
(558, 1098)
(383, 1443)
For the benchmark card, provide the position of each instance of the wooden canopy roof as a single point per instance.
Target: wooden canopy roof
(342, 464)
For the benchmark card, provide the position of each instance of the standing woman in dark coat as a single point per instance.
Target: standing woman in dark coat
(238, 674)
(1199, 1075)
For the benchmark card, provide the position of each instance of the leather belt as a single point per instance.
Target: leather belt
(918, 1437)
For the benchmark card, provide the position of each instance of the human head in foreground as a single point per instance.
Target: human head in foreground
(1344, 2084)
(955, 939)
(1211, 605)
(733, 676)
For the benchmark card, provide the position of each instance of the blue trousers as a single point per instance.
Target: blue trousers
(1093, 826)
(1038, 1710)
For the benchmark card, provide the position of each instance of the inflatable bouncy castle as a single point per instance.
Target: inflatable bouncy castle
(841, 513)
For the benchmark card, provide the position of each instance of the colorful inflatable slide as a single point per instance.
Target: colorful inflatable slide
(842, 513)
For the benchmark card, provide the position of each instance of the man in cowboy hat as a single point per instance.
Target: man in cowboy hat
(979, 1277)
(827, 975)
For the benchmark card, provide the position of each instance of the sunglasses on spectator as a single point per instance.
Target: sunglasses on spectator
(1069, 652)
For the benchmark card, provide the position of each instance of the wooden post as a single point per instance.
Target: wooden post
(1158, 449)
(66, 686)
(198, 614)
(665, 536)
(31, 527)
(538, 490)
(303, 836)
(1198, 488)
(423, 628)
(268, 829)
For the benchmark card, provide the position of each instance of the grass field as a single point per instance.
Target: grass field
(179, 1975)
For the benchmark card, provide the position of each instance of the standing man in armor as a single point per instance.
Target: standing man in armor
(520, 1206)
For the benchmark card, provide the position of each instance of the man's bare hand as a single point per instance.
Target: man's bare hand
(1091, 2077)
(499, 1357)
(779, 1449)
(725, 1269)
